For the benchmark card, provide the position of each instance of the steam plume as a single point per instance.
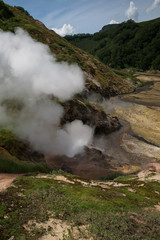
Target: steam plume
(29, 73)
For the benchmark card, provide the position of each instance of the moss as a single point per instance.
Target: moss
(10, 142)
(11, 164)
(3, 208)
(5, 12)
(23, 10)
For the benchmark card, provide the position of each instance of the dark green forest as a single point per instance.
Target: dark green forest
(128, 44)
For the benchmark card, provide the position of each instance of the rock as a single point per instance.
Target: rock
(90, 115)
(11, 238)
(40, 24)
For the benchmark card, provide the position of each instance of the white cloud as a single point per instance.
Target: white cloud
(67, 29)
(132, 12)
(154, 5)
(113, 22)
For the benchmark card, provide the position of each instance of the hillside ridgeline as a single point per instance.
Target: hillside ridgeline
(124, 45)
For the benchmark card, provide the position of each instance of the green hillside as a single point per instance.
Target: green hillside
(108, 27)
(128, 44)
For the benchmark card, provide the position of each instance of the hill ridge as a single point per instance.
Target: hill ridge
(129, 44)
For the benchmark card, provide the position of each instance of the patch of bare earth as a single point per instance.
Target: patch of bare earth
(147, 77)
(93, 183)
(151, 173)
(56, 229)
(6, 180)
(57, 177)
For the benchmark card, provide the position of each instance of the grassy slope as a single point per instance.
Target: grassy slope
(128, 44)
(112, 213)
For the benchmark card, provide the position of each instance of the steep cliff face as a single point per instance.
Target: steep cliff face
(90, 115)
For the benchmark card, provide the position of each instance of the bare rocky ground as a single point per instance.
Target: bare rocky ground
(6, 180)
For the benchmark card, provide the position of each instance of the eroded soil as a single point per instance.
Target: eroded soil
(6, 180)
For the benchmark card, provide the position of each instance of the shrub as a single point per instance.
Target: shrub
(111, 176)
(23, 10)
(5, 13)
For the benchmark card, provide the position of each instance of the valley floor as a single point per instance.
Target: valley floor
(137, 143)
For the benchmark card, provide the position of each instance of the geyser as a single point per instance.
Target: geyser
(29, 74)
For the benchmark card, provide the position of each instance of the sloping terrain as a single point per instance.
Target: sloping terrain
(128, 44)
(63, 207)
(58, 205)
(99, 78)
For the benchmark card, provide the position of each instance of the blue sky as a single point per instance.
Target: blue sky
(87, 16)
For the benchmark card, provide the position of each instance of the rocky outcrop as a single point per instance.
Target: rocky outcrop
(90, 115)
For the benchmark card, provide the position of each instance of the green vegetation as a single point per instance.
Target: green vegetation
(111, 176)
(10, 142)
(128, 44)
(108, 27)
(23, 10)
(111, 214)
(9, 165)
(129, 75)
(5, 12)
(17, 157)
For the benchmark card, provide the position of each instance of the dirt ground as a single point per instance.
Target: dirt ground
(6, 180)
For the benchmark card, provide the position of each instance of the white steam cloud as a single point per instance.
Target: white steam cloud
(66, 29)
(154, 5)
(132, 12)
(113, 22)
(29, 74)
